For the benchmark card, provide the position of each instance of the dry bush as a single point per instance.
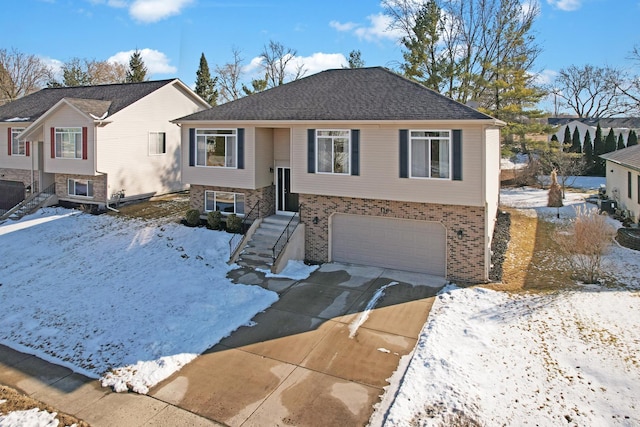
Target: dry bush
(584, 242)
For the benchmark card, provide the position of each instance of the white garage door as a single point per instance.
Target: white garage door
(400, 244)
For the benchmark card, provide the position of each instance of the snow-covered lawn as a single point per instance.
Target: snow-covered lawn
(125, 300)
(570, 357)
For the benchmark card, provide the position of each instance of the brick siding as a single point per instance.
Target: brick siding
(21, 175)
(266, 194)
(99, 188)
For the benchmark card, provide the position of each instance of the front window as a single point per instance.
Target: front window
(430, 154)
(69, 143)
(80, 187)
(18, 148)
(227, 203)
(333, 151)
(157, 143)
(216, 148)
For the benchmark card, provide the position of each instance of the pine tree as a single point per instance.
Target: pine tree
(554, 138)
(567, 136)
(137, 70)
(355, 59)
(576, 142)
(598, 149)
(620, 142)
(205, 85)
(610, 142)
(632, 139)
(587, 149)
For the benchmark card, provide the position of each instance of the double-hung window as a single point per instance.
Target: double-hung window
(80, 187)
(68, 143)
(332, 151)
(157, 143)
(430, 154)
(217, 148)
(227, 203)
(18, 148)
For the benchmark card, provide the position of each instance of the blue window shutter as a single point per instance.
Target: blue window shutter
(457, 155)
(241, 148)
(192, 147)
(404, 153)
(311, 150)
(355, 152)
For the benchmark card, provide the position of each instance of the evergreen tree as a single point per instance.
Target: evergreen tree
(355, 59)
(610, 142)
(620, 142)
(598, 149)
(587, 149)
(205, 85)
(554, 138)
(576, 142)
(257, 85)
(632, 139)
(137, 70)
(567, 136)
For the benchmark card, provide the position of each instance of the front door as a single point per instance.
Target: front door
(286, 201)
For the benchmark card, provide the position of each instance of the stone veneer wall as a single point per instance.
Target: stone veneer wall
(22, 175)
(266, 194)
(465, 257)
(99, 188)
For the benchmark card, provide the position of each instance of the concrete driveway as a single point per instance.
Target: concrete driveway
(302, 363)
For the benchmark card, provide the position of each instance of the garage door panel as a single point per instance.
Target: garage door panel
(389, 242)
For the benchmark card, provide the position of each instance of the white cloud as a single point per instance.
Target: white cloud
(254, 65)
(378, 28)
(545, 77)
(155, 61)
(319, 62)
(343, 27)
(566, 5)
(155, 10)
(111, 3)
(55, 65)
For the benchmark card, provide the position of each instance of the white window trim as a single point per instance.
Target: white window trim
(56, 143)
(235, 200)
(151, 134)
(74, 187)
(317, 151)
(450, 178)
(235, 134)
(15, 132)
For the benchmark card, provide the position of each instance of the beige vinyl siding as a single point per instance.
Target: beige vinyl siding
(224, 177)
(282, 147)
(492, 190)
(264, 157)
(123, 145)
(68, 117)
(379, 168)
(15, 162)
(617, 185)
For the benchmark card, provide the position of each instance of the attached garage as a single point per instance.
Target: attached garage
(11, 193)
(401, 244)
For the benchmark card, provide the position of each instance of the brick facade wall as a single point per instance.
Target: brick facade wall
(465, 256)
(21, 175)
(267, 195)
(99, 188)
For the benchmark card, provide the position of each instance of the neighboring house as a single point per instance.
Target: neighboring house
(383, 171)
(95, 142)
(620, 125)
(623, 178)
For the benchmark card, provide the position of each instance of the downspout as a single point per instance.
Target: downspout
(95, 162)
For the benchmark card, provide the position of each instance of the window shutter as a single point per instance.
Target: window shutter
(457, 155)
(240, 148)
(9, 141)
(164, 142)
(355, 152)
(311, 150)
(192, 147)
(84, 143)
(53, 143)
(404, 153)
(27, 148)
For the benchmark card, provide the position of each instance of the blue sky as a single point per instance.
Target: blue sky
(173, 33)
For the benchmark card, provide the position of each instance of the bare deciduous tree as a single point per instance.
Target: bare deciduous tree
(229, 77)
(279, 64)
(20, 74)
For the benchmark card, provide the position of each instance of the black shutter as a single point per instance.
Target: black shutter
(240, 148)
(311, 150)
(192, 147)
(404, 153)
(457, 155)
(355, 152)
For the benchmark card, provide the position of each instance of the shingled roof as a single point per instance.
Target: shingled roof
(628, 157)
(612, 122)
(344, 94)
(31, 107)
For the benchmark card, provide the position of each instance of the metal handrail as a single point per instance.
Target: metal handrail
(288, 231)
(31, 202)
(236, 239)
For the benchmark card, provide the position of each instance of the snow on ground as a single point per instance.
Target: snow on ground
(125, 300)
(30, 418)
(296, 270)
(568, 357)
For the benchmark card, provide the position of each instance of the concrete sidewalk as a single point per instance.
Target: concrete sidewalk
(301, 364)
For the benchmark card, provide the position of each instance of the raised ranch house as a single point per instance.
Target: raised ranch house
(623, 179)
(96, 143)
(382, 171)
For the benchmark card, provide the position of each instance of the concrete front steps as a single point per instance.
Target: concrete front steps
(258, 252)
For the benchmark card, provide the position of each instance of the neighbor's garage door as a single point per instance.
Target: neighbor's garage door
(400, 244)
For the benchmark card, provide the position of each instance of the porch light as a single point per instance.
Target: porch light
(460, 234)
(315, 220)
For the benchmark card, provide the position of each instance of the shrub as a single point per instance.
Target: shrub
(192, 217)
(234, 223)
(584, 242)
(214, 220)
